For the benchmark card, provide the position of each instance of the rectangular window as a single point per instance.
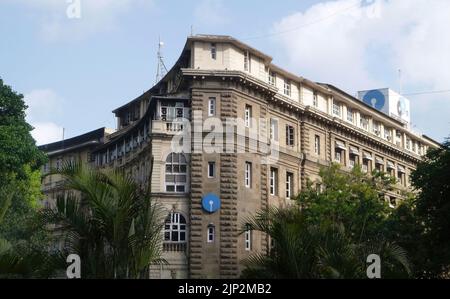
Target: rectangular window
(336, 109)
(388, 134)
(290, 135)
(408, 144)
(317, 145)
(248, 116)
(211, 169)
(337, 156)
(272, 78)
(213, 51)
(400, 177)
(248, 238)
(352, 161)
(315, 100)
(212, 106)
(376, 128)
(247, 62)
(364, 123)
(289, 184)
(350, 115)
(211, 233)
(273, 129)
(365, 166)
(273, 181)
(248, 174)
(287, 87)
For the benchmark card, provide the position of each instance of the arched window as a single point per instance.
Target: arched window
(176, 173)
(175, 228)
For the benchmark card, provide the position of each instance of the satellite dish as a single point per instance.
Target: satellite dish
(375, 99)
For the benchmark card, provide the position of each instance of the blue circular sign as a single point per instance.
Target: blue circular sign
(375, 98)
(211, 203)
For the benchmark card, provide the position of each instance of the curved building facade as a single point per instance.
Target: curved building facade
(252, 135)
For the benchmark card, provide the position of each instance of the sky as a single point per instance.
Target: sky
(74, 66)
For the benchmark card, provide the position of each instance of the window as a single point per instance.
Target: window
(336, 108)
(289, 184)
(364, 123)
(408, 143)
(273, 181)
(315, 100)
(272, 78)
(376, 128)
(211, 233)
(58, 164)
(337, 156)
(365, 166)
(379, 164)
(388, 134)
(273, 129)
(248, 238)
(175, 228)
(248, 174)
(211, 169)
(352, 161)
(287, 87)
(247, 62)
(170, 111)
(350, 115)
(46, 168)
(390, 167)
(289, 135)
(176, 173)
(317, 145)
(212, 106)
(248, 115)
(392, 202)
(213, 51)
(400, 177)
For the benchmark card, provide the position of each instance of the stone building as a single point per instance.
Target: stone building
(307, 124)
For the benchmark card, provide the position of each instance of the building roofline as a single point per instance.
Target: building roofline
(74, 142)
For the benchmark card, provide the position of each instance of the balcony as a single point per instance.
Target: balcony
(174, 246)
(167, 127)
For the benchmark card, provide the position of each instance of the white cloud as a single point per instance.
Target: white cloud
(362, 46)
(211, 12)
(43, 106)
(46, 132)
(95, 16)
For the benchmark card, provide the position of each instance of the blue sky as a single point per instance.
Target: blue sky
(73, 72)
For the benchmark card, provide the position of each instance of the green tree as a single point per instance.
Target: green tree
(432, 181)
(329, 233)
(354, 199)
(107, 220)
(301, 249)
(22, 239)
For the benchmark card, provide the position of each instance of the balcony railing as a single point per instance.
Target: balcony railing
(174, 247)
(167, 127)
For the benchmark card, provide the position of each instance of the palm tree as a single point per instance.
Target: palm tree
(301, 249)
(109, 221)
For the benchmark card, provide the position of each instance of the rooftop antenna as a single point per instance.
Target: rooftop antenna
(161, 70)
(192, 30)
(400, 80)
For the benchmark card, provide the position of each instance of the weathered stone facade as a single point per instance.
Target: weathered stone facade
(300, 119)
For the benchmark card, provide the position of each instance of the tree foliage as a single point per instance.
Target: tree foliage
(108, 221)
(432, 209)
(329, 233)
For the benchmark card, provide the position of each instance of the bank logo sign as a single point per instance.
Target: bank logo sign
(211, 203)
